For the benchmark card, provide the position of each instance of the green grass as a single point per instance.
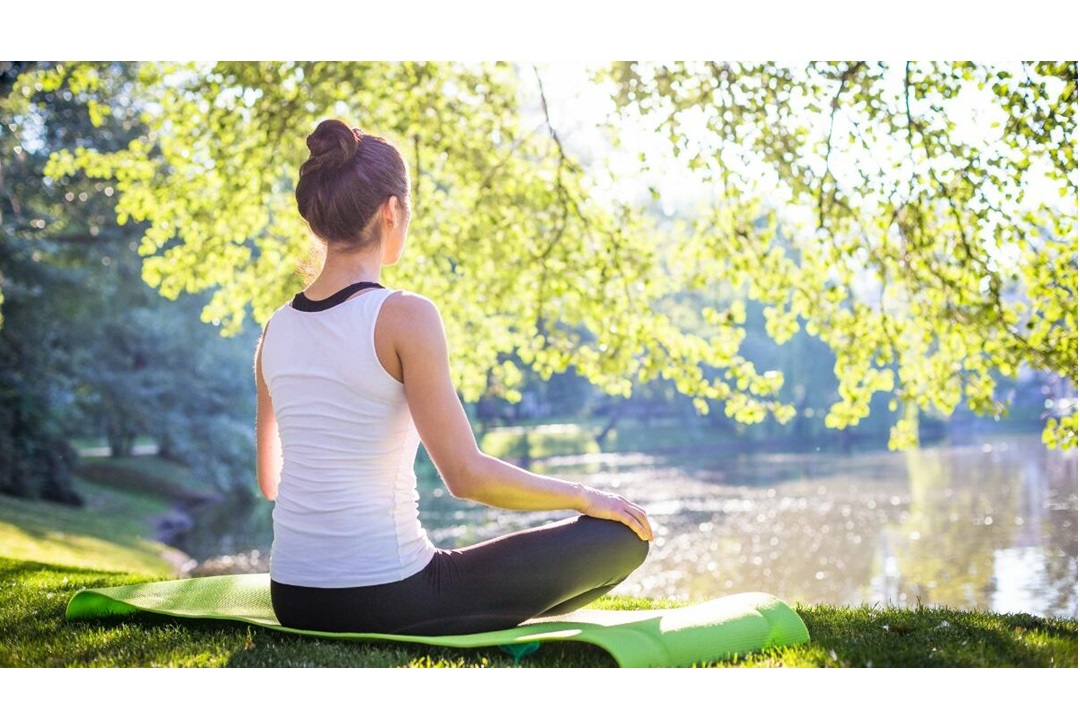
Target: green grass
(48, 552)
(34, 633)
(145, 475)
(109, 534)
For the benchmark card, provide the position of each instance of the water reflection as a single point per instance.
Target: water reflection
(989, 526)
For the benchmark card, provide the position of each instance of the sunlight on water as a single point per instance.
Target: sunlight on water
(963, 527)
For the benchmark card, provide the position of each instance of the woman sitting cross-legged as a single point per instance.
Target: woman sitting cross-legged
(351, 376)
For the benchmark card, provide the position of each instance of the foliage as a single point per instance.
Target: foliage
(87, 349)
(508, 234)
(853, 200)
(898, 213)
(43, 283)
(35, 459)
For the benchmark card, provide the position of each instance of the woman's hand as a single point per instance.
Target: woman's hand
(609, 506)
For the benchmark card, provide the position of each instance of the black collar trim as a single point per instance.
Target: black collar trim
(301, 302)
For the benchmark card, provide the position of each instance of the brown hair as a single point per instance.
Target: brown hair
(344, 182)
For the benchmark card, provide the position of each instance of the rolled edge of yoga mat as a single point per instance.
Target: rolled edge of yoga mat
(701, 633)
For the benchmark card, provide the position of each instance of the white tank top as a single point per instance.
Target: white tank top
(346, 513)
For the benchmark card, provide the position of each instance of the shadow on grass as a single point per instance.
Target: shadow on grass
(34, 632)
(142, 639)
(271, 649)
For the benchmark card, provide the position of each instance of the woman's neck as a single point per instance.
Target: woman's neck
(343, 269)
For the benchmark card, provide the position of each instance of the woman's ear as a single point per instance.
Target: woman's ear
(391, 211)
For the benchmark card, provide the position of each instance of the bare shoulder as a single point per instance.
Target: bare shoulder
(410, 310)
(409, 329)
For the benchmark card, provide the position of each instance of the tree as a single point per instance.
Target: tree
(909, 227)
(45, 227)
(87, 348)
(506, 233)
(911, 249)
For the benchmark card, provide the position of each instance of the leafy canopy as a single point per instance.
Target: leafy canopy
(506, 235)
(920, 218)
(851, 198)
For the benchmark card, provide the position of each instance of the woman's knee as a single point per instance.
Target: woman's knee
(637, 549)
(628, 549)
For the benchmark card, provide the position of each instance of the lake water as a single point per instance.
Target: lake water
(990, 525)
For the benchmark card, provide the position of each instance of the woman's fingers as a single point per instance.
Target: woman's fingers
(638, 520)
(640, 517)
(642, 520)
(610, 506)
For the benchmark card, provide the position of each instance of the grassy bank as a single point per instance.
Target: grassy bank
(47, 553)
(110, 533)
(34, 633)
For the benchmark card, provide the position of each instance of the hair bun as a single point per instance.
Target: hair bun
(333, 144)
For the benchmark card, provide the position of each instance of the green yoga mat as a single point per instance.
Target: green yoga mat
(678, 637)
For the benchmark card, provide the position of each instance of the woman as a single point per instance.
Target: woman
(351, 376)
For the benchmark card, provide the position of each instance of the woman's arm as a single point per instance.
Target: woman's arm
(411, 325)
(267, 442)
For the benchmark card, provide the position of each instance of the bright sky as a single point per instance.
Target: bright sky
(554, 29)
(560, 36)
(579, 108)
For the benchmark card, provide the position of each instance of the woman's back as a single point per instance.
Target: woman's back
(346, 512)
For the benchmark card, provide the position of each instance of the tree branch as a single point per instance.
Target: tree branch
(834, 108)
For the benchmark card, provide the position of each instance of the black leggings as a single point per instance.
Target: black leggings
(493, 585)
